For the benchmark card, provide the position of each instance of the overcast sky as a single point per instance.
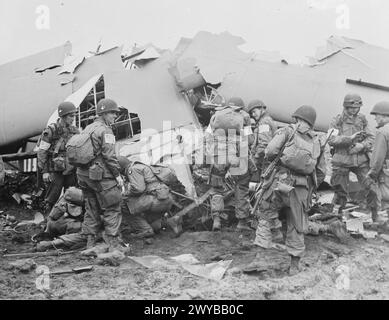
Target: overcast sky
(293, 27)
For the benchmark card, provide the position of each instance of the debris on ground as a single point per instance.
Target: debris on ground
(23, 265)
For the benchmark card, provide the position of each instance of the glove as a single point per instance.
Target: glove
(357, 148)
(46, 177)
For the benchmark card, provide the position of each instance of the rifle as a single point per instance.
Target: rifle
(260, 190)
(39, 254)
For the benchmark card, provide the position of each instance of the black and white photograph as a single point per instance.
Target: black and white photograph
(204, 152)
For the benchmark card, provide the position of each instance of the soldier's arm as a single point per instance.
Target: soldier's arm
(368, 142)
(275, 145)
(108, 152)
(43, 151)
(137, 182)
(337, 140)
(379, 155)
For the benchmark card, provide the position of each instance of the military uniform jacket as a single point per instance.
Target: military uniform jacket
(380, 154)
(263, 133)
(141, 179)
(53, 143)
(345, 126)
(309, 138)
(103, 141)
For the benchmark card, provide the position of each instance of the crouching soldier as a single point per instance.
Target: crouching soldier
(291, 184)
(229, 142)
(67, 214)
(52, 160)
(64, 222)
(146, 200)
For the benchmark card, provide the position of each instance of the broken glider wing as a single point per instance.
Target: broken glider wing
(345, 66)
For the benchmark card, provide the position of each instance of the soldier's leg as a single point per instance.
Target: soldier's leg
(217, 201)
(339, 182)
(54, 190)
(297, 225)
(372, 193)
(267, 213)
(110, 199)
(139, 227)
(242, 201)
(92, 223)
(69, 241)
(57, 227)
(217, 207)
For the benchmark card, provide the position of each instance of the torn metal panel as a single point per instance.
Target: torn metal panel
(214, 55)
(284, 87)
(30, 95)
(110, 61)
(151, 93)
(71, 64)
(78, 96)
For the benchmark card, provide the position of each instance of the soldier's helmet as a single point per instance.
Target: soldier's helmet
(235, 102)
(66, 108)
(254, 104)
(124, 163)
(352, 100)
(107, 105)
(381, 108)
(306, 113)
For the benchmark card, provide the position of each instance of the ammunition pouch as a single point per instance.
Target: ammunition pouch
(59, 163)
(162, 193)
(110, 193)
(96, 172)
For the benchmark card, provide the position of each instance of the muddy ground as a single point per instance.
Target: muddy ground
(368, 261)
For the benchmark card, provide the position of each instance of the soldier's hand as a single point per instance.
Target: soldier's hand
(120, 182)
(358, 147)
(46, 177)
(357, 135)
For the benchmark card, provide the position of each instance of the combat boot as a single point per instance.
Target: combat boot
(175, 223)
(244, 225)
(337, 228)
(294, 265)
(216, 223)
(91, 241)
(114, 244)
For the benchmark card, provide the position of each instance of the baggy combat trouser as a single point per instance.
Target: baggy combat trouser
(63, 226)
(143, 214)
(102, 206)
(295, 199)
(340, 182)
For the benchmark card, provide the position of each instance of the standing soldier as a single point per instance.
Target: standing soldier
(52, 161)
(231, 138)
(101, 181)
(352, 140)
(379, 162)
(291, 184)
(264, 131)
